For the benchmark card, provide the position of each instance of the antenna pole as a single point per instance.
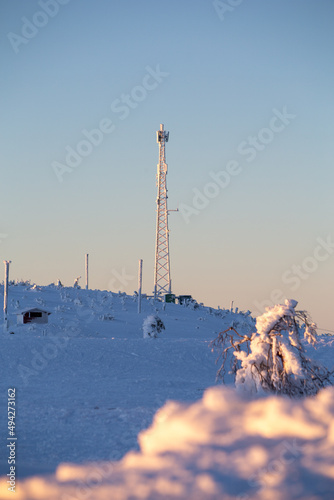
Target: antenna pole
(5, 296)
(86, 267)
(140, 282)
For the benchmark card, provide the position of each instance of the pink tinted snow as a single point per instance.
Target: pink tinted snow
(224, 446)
(266, 322)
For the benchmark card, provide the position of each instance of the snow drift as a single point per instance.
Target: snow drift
(222, 446)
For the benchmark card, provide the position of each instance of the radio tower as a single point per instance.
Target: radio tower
(162, 281)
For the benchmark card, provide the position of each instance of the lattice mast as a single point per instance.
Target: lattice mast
(162, 281)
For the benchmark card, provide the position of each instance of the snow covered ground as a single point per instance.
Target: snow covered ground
(88, 383)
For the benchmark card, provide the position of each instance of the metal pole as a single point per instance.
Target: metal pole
(140, 280)
(5, 296)
(86, 265)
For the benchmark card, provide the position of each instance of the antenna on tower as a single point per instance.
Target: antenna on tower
(162, 280)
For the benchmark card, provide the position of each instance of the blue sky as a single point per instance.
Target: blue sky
(227, 69)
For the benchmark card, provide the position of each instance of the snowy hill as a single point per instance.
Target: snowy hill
(88, 382)
(90, 372)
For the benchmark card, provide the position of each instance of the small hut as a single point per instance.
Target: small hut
(34, 315)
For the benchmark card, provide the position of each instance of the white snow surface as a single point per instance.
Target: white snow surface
(87, 384)
(266, 321)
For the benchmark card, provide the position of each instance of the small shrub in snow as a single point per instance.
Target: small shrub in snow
(65, 297)
(22, 282)
(152, 325)
(76, 283)
(190, 303)
(123, 302)
(60, 308)
(272, 359)
(106, 317)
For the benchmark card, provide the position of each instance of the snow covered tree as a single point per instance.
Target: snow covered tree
(152, 325)
(273, 359)
(76, 282)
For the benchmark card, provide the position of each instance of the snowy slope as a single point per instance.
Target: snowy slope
(82, 377)
(88, 382)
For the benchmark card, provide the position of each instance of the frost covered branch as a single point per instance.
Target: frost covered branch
(273, 359)
(223, 338)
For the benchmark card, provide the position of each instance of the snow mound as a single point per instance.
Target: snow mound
(266, 321)
(224, 446)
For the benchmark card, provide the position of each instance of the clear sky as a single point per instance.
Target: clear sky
(245, 89)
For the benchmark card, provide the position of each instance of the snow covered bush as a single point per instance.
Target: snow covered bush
(273, 359)
(76, 282)
(152, 325)
(106, 317)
